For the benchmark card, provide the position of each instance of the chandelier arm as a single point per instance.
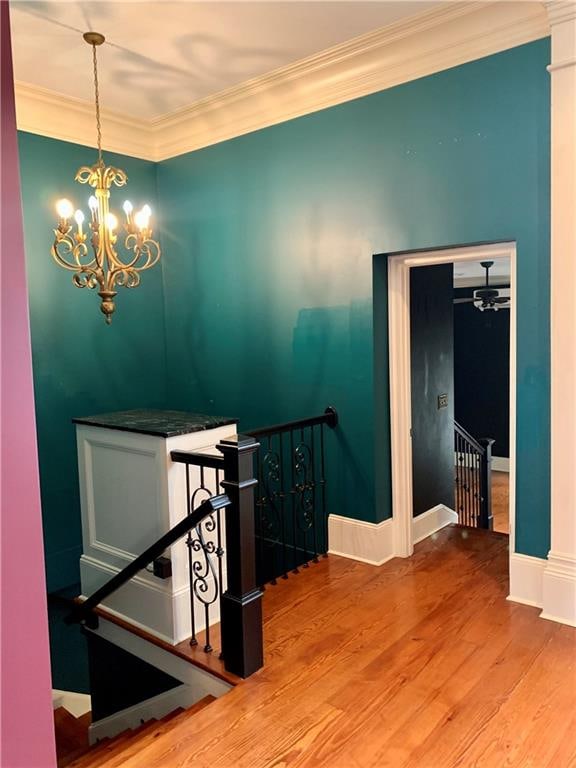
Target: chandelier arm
(88, 278)
(126, 278)
(64, 245)
(148, 248)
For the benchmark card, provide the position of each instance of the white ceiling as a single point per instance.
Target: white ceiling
(468, 273)
(164, 56)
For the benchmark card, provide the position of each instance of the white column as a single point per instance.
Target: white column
(559, 585)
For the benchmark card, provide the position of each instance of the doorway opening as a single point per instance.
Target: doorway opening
(482, 392)
(396, 271)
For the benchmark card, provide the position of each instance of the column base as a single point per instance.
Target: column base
(241, 632)
(559, 589)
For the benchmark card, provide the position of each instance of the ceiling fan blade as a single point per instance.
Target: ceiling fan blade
(464, 301)
(502, 300)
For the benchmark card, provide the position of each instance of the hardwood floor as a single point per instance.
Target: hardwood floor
(421, 663)
(500, 501)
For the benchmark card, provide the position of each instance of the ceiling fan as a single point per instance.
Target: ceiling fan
(487, 297)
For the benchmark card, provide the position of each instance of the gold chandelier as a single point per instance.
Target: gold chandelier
(97, 263)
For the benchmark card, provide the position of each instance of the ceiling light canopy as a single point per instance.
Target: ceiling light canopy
(92, 253)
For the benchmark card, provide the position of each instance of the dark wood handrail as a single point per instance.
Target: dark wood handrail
(329, 417)
(469, 439)
(197, 459)
(83, 611)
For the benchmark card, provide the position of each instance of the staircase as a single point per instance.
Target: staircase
(147, 677)
(72, 738)
(473, 479)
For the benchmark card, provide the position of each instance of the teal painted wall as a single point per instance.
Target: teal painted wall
(269, 242)
(268, 276)
(81, 366)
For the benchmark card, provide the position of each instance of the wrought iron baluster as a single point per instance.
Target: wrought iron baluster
(271, 506)
(313, 483)
(282, 508)
(471, 484)
(463, 480)
(205, 585)
(472, 499)
(466, 486)
(323, 491)
(259, 524)
(477, 494)
(193, 639)
(471, 474)
(459, 476)
(293, 495)
(219, 547)
(303, 490)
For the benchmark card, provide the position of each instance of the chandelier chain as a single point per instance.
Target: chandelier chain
(97, 101)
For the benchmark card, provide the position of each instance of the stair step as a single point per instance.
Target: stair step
(69, 730)
(164, 726)
(100, 754)
(71, 735)
(195, 655)
(198, 706)
(172, 715)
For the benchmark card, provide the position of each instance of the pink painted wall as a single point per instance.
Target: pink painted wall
(26, 725)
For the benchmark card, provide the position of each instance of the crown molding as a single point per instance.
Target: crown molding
(560, 11)
(445, 37)
(52, 114)
(428, 43)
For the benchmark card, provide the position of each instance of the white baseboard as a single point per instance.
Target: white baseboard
(548, 584)
(559, 589)
(77, 704)
(371, 543)
(431, 521)
(500, 464)
(130, 718)
(526, 574)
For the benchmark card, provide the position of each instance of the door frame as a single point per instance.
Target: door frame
(399, 265)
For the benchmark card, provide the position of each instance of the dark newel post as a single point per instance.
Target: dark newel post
(486, 518)
(241, 604)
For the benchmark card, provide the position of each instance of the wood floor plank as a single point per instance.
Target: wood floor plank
(421, 663)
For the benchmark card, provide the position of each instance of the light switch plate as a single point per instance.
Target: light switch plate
(443, 401)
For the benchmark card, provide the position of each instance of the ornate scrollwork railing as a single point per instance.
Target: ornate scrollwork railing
(205, 555)
(291, 515)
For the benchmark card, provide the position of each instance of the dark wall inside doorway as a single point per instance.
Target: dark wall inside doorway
(482, 372)
(432, 374)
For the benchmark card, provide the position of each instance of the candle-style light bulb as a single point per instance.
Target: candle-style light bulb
(111, 221)
(93, 205)
(141, 220)
(79, 217)
(64, 208)
(127, 208)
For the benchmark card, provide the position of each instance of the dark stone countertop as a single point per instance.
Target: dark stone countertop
(147, 421)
